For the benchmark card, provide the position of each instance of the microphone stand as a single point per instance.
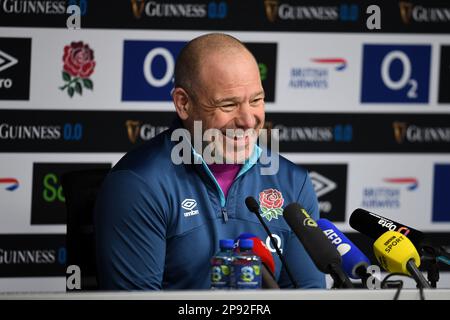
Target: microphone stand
(340, 279)
(431, 254)
(418, 277)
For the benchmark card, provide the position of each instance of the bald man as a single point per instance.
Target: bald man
(160, 215)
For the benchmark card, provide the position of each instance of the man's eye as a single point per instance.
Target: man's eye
(227, 107)
(257, 100)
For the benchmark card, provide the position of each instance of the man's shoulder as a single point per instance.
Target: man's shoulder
(150, 158)
(285, 166)
(291, 166)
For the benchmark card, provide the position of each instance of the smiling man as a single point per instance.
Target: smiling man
(217, 83)
(158, 221)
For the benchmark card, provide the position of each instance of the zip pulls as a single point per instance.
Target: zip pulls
(247, 166)
(224, 215)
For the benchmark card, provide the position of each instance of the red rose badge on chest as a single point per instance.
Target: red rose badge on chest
(271, 202)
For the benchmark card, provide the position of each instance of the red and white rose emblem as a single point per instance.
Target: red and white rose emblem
(79, 64)
(271, 202)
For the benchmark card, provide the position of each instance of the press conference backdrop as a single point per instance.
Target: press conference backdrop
(366, 111)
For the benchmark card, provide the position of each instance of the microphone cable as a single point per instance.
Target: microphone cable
(385, 284)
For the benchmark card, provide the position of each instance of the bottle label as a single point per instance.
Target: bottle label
(220, 276)
(248, 277)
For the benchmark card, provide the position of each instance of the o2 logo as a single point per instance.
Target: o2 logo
(396, 73)
(278, 243)
(149, 66)
(148, 69)
(169, 61)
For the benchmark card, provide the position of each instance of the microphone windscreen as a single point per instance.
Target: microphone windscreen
(319, 248)
(252, 204)
(352, 256)
(393, 250)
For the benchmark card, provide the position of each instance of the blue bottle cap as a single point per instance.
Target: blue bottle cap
(246, 244)
(226, 244)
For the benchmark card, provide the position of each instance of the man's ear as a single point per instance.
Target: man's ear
(182, 103)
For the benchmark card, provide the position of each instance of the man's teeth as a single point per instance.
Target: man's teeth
(236, 135)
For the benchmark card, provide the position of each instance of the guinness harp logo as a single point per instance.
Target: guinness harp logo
(271, 7)
(133, 129)
(405, 11)
(399, 131)
(138, 7)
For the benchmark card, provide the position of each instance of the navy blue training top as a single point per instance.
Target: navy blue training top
(157, 224)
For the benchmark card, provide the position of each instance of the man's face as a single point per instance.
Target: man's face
(229, 97)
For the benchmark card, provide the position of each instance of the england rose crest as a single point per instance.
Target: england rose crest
(78, 66)
(271, 202)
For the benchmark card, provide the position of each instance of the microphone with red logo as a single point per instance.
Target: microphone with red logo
(268, 264)
(374, 225)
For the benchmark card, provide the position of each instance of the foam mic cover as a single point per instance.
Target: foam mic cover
(252, 204)
(260, 250)
(373, 226)
(352, 257)
(322, 252)
(394, 250)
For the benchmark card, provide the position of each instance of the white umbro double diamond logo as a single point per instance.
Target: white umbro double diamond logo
(189, 205)
(6, 61)
(321, 184)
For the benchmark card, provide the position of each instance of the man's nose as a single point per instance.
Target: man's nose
(245, 118)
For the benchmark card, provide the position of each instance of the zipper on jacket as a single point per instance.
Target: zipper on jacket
(224, 214)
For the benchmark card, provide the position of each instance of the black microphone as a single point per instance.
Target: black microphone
(322, 252)
(253, 206)
(374, 225)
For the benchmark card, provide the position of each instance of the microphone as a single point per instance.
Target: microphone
(322, 252)
(267, 262)
(253, 206)
(354, 262)
(373, 226)
(397, 254)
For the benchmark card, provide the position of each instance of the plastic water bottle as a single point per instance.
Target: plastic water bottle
(221, 265)
(247, 267)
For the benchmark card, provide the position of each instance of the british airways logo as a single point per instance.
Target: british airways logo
(10, 183)
(410, 183)
(339, 63)
(389, 194)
